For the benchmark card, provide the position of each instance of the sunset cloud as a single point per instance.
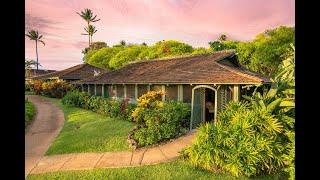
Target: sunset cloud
(193, 21)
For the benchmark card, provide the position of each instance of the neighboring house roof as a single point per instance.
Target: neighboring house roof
(35, 72)
(220, 67)
(77, 72)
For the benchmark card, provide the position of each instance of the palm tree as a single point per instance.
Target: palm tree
(34, 35)
(223, 37)
(90, 31)
(87, 15)
(28, 65)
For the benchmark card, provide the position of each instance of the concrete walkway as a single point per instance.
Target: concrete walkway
(46, 125)
(145, 156)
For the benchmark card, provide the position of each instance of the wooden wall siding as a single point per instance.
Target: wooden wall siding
(142, 89)
(172, 92)
(91, 89)
(222, 97)
(99, 90)
(131, 91)
(120, 91)
(187, 93)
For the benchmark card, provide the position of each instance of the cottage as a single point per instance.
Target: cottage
(207, 82)
(78, 72)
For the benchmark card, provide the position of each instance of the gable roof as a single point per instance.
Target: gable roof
(35, 72)
(219, 67)
(77, 72)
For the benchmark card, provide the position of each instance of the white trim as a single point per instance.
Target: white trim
(163, 89)
(136, 91)
(215, 101)
(124, 91)
(102, 89)
(180, 93)
(236, 93)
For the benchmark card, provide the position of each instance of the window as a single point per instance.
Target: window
(85, 87)
(120, 91)
(99, 89)
(155, 88)
(142, 89)
(172, 92)
(187, 93)
(131, 91)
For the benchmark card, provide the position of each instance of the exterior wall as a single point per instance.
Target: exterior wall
(120, 91)
(130, 91)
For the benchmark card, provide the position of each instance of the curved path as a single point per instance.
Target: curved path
(45, 126)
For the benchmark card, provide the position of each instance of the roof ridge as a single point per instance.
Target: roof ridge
(238, 72)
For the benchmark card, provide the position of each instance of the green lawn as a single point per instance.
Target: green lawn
(86, 131)
(173, 170)
(30, 111)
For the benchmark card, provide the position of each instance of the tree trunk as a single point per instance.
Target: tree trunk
(88, 33)
(37, 54)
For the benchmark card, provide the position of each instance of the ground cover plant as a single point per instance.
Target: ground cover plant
(29, 113)
(87, 131)
(172, 170)
(157, 120)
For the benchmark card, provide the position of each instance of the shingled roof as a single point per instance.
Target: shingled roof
(77, 72)
(218, 68)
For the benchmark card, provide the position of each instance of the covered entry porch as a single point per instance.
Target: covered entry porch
(208, 100)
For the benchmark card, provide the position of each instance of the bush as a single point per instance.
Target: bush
(109, 107)
(29, 112)
(51, 88)
(244, 141)
(158, 121)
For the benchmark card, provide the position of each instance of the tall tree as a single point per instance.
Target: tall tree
(35, 36)
(88, 16)
(90, 31)
(123, 43)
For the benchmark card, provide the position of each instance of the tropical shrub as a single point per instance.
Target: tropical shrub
(244, 141)
(51, 88)
(158, 121)
(109, 107)
(29, 112)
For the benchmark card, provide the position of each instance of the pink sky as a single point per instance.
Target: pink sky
(195, 22)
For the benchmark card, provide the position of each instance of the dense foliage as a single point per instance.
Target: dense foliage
(122, 54)
(254, 137)
(51, 88)
(28, 113)
(158, 121)
(264, 53)
(109, 107)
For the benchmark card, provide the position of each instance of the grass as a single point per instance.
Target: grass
(87, 131)
(172, 170)
(29, 113)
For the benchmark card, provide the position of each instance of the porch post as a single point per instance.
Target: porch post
(82, 89)
(148, 87)
(180, 92)
(136, 91)
(192, 100)
(163, 88)
(95, 89)
(88, 88)
(102, 89)
(125, 91)
(236, 93)
(115, 90)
